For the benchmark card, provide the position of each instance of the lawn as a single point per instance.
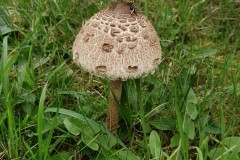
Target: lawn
(52, 109)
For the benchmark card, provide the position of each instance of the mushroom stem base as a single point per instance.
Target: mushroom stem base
(113, 106)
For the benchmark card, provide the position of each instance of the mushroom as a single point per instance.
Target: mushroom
(117, 43)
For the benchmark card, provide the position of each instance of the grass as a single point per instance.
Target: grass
(187, 109)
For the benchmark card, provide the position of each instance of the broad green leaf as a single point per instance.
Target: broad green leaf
(221, 153)
(90, 141)
(217, 153)
(29, 102)
(191, 110)
(232, 142)
(232, 156)
(191, 97)
(46, 125)
(71, 127)
(191, 129)
(78, 116)
(175, 140)
(27, 107)
(91, 130)
(155, 145)
(30, 97)
(163, 124)
(60, 156)
(124, 155)
(213, 127)
(106, 141)
(83, 119)
(205, 53)
(5, 30)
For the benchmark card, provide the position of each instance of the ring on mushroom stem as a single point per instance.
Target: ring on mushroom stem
(117, 43)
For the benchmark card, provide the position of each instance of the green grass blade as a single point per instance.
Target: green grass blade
(49, 137)
(142, 116)
(40, 122)
(56, 70)
(13, 151)
(29, 150)
(146, 7)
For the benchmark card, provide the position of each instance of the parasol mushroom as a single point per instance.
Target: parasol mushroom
(117, 43)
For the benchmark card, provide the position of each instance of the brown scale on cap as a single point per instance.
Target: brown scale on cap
(121, 37)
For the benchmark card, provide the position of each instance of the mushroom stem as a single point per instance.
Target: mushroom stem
(113, 104)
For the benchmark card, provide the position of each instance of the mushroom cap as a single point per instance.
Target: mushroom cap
(118, 43)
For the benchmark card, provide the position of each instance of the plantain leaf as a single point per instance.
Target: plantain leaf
(155, 145)
(90, 141)
(106, 141)
(71, 126)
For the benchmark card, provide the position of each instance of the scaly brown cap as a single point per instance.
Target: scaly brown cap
(118, 43)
